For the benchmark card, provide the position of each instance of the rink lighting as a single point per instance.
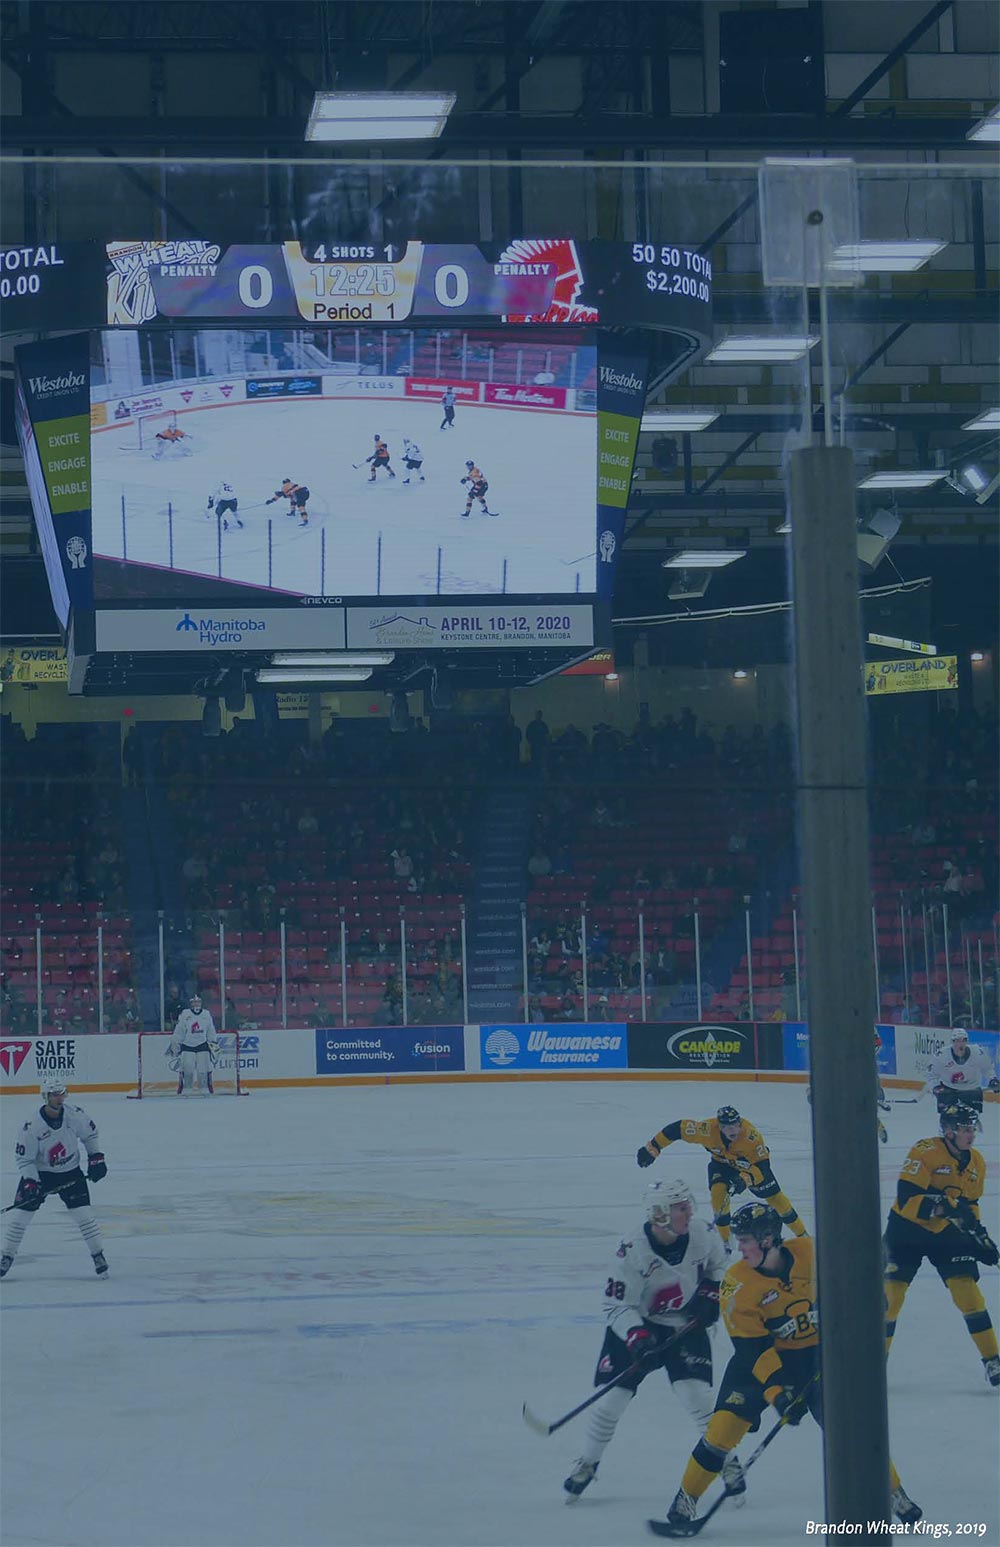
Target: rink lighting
(761, 349)
(268, 676)
(682, 420)
(783, 529)
(379, 115)
(333, 658)
(708, 558)
(977, 656)
(990, 420)
(740, 675)
(987, 128)
(886, 257)
(897, 480)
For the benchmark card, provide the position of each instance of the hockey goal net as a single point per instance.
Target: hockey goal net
(146, 427)
(154, 1076)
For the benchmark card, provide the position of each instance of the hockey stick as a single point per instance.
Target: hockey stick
(541, 1427)
(905, 1101)
(693, 1527)
(51, 1193)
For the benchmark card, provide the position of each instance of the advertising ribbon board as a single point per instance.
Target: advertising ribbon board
(927, 674)
(550, 1046)
(390, 1050)
(702, 1045)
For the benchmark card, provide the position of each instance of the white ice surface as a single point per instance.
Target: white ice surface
(541, 469)
(326, 1308)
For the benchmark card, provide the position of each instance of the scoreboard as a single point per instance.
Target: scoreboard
(538, 280)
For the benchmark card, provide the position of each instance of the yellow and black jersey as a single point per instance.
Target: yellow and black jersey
(381, 451)
(288, 489)
(931, 1172)
(745, 1153)
(768, 1314)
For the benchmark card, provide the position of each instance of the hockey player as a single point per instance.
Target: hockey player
(379, 459)
(667, 1275)
(297, 496)
(448, 405)
(936, 1215)
(477, 487)
(224, 502)
(413, 460)
(959, 1073)
(768, 1303)
(740, 1159)
(47, 1152)
(172, 441)
(193, 1048)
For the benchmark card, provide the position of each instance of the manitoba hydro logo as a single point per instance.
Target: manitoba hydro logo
(206, 632)
(708, 1045)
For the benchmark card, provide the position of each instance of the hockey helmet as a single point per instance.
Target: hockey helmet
(661, 1197)
(727, 1115)
(470, 464)
(759, 1221)
(195, 1001)
(52, 1082)
(957, 1114)
(376, 436)
(959, 1034)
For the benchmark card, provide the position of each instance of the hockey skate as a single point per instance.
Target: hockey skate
(883, 1137)
(6, 1263)
(100, 1264)
(581, 1477)
(904, 1508)
(991, 1367)
(732, 1476)
(681, 1517)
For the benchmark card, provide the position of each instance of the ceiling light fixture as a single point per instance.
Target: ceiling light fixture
(333, 658)
(315, 674)
(886, 257)
(990, 420)
(680, 420)
(977, 656)
(704, 558)
(761, 349)
(783, 529)
(987, 128)
(900, 480)
(740, 674)
(379, 115)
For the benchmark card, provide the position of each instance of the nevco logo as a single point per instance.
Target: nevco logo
(45, 386)
(706, 1044)
(623, 380)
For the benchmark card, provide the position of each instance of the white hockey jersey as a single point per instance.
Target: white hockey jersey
(46, 1146)
(643, 1286)
(959, 1075)
(224, 491)
(192, 1031)
(412, 452)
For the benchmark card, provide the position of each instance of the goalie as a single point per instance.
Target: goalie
(171, 441)
(194, 1049)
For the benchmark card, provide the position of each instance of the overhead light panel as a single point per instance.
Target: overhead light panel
(704, 558)
(333, 658)
(783, 529)
(987, 128)
(901, 257)
(680, 420)
(761, 349)
(899, 480)
(990, 420)
(270, 675)
(379, 115)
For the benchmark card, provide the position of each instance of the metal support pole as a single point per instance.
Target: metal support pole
(746, 922)
(947, 962)
(697, 958)
(798, 977)
(284, 971)
(878, 978)
(642, 961)
(524, 960)
(160, 971)
(402, 958)
(222, 971)
(906, 955)
(927, 966)
(465, 976)
(968, 979)
(982, 990)
(583, 960)
(38, 979)
(834, 846)
(343, 969)
(100, 977)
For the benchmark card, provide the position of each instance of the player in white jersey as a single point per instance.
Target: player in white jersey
(960, 1072)
(664, 1278)
(193, 1048)
(413, 460)
(47, 1152)
(224, 502)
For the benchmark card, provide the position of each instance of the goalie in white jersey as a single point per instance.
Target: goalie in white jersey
(960, 1072)
(47, 1152)
(662, 1280)
(193, 1048)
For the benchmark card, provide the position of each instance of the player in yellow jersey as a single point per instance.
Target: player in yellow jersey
(769, 1307)
(936, 1215)
(740, 1160)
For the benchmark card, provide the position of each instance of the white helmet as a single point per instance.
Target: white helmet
(661, 1197)
(959, 1032)
(195, 1002)
(52, 1081)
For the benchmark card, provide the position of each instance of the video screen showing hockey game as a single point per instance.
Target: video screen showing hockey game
(396, 462)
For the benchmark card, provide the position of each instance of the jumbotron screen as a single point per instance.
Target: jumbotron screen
(344, 463)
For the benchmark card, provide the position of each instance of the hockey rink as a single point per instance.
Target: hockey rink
(363, 539)
(326, 1308)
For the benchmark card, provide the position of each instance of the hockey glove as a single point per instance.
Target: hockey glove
(994, 1086)
(29, 1194)
(642, 1343)
(645, 1157)
(703, 1305)
(97, 1168)
(211, 502)
(789, 1406)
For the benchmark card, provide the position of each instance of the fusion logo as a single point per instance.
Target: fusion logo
(220, 631)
